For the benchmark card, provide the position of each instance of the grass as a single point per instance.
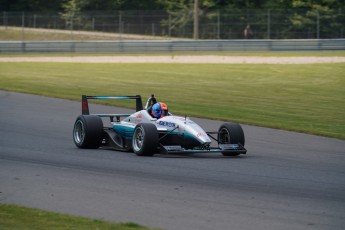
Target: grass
(39, 34)
(17, 34)
(32, 34)
(17, 217)
(306, 98)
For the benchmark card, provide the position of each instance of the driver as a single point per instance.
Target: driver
(159, 110)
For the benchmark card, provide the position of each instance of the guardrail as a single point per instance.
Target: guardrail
(150, 46)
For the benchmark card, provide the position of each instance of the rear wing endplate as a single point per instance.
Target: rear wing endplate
(85, 104)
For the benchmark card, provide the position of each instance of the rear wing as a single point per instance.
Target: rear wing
(85, 104)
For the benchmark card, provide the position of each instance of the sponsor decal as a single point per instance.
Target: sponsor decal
(139, 118)
(84, 106)
(173, 148)
(179, 118)
(201, 134)
(168, 124)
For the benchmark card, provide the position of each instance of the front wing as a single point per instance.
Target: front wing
(223, 148)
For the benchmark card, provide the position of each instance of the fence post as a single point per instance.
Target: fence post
(317, 24)
(169, 26)
(268, 24)
(218, 25)
(71, 30)
(120, 24)
(34, 21)
(5, 19)
(196, 19)
(153, 29)
(23, 25)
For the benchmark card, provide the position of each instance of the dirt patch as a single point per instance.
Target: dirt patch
(204, 59)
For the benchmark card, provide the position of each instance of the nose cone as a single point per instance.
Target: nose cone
(197, 132)
(186, 127)
(203, 138)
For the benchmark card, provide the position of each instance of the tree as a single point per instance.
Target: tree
(31, 5)
(183, 20)
(225, 18)
(317, 19)
(71, 12)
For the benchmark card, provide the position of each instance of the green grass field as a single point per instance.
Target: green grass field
(16, 217)
(305, 98)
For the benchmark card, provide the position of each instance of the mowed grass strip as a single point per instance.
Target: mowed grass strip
(40, 34)
(17, 217)
(181, 53)
(305, 98)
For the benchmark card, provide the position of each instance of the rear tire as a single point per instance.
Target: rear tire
(145, 139)
(88, 132)
(231, 133)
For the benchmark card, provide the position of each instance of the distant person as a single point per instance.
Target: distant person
(248, 33)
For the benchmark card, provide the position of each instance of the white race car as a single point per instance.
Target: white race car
(146, 135)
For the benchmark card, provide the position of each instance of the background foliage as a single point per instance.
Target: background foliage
(58, 5)
(218, 19)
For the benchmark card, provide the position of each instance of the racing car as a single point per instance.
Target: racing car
(146, 135)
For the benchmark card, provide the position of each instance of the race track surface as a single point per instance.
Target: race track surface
(286, 181)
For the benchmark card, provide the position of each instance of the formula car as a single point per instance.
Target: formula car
(146, 135)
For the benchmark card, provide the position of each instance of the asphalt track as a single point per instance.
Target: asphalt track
(286, 181)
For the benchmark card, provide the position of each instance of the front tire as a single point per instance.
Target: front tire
(145, 139)
(88, 132)
(230, 133)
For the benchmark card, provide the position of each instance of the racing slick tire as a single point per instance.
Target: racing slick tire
(230, 133)
(88, 132)
(145, 139)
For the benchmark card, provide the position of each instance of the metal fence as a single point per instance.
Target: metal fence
(150, 46)
(221, 24)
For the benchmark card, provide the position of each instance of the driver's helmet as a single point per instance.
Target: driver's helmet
(159, 110)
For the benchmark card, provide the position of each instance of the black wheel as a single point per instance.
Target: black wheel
(88, 132)
(230, 133)
(145, 139)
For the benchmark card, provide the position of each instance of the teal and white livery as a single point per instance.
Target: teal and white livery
(146, 134)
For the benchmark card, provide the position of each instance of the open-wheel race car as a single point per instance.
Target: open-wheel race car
(146, 134)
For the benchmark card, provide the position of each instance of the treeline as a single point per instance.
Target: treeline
(206, 19)
(169, 5)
